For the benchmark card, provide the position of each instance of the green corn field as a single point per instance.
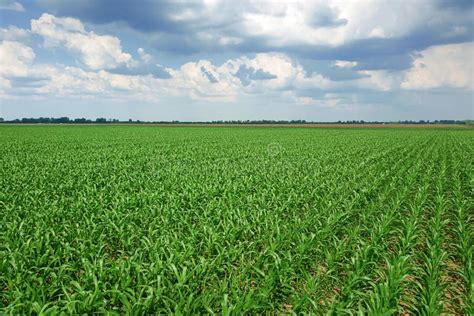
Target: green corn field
(232, 220)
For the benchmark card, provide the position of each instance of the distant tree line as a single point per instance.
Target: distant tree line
(59, 120)
(101, 120)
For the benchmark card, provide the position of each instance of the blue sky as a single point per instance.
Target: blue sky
(228, 60)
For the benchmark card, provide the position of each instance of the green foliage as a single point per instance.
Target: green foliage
(231, 220)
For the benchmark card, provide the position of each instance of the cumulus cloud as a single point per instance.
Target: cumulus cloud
(111, 72)
(378, 35)
(277, 72)
(19, 75)
(145, 65)
(443, 65)
(358, 20)
(201, 80)
(265, 73)
(15, 59)
(15, 62)
(204, 81)
(380, 80)
(95, 51)
(13, 33)
(74, 81)
(278, 24)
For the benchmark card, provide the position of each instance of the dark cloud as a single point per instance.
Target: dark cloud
(156, 71)
(329, 70)
(388, 62)
(209, 75)
(374, 53)
(342, 74)
(247, 74)
(150, 15)
(326, 17)
(28, 82)
(145, 16)
(456, 4)
(160, 19)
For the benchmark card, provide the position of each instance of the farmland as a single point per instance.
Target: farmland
(150, 219)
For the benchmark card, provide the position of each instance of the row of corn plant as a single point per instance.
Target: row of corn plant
(343, 245)
(392, 291)
(461, 241)
(367, 259)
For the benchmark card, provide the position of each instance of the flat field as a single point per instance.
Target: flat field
(150, 219)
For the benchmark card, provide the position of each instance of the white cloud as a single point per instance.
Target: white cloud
(95, 51)
(381, 80)
(438, 66)
(345, 64)
(279, 65)
(444, 65)
(302, 22)
(287, 72)
(203, 80)
(199, 80)
(146, 58)
(448, 65)
(309, 22)
(13, 33)
(73, 81)
(15, 59)
(11, 6)
(191, 79)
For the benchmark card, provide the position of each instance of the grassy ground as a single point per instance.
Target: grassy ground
(236, 219)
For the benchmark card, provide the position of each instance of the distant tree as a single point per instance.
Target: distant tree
(101, 120)
(44, 120)
(81, 120)
(60, 120)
